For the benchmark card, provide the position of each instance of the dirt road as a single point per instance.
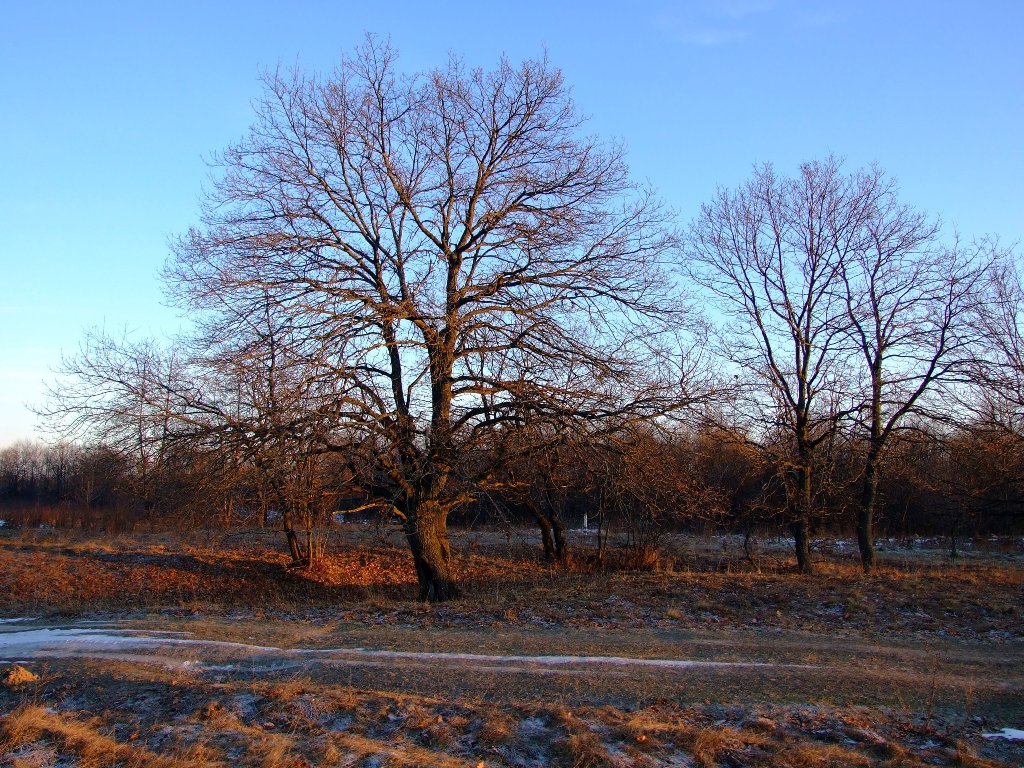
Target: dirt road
(625, 668)
(296, 693)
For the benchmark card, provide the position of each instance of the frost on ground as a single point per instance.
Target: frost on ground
(708, 660)
(175, 720)
(80, 642)
(172, 699)
(1011, 734)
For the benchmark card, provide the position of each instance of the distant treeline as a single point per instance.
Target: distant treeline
(967, 482)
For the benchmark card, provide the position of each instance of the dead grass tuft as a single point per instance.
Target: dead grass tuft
(824, 756)
(709, 744)
(18, 675)
(285, 691)
(964, 756)
(275, 752)
(396, 754)
(416, 716)
(497, 729)
(582, 750)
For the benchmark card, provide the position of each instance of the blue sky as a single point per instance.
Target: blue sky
(109, 109)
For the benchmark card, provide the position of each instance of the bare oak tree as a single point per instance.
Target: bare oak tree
(910, 302)
(453, 254)
(844, 303)
(772, 254)
(999, 368)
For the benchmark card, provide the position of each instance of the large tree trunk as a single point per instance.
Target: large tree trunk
(427, 533)
(865, 516)
(561, 541)
(802, 545)
(293, 545)
(294, 548)
(552, 533)
(801, 523)
(546, 537)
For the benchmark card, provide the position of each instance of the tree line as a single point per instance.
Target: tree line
(432, 294)
(964, 484)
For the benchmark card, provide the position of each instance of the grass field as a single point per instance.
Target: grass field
(202, 649)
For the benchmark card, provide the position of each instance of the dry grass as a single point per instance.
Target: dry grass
(699, 603)
(495, 730)
(34, 726)
(18, 675)
(251, 725)
(826, 756)
(368, 575)
(581, 750)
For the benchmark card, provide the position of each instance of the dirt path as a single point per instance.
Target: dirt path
(240, 691)
(619, 667)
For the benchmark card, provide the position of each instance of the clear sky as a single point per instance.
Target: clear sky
(108, 109)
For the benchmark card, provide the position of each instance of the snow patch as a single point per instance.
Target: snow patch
(1012, 734)
(83, 642)
(547, 661)
(74, 640)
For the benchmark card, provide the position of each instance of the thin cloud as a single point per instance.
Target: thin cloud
(719, 22)
(822, 17)
(702, 35)
(724, 22)
(742, 9)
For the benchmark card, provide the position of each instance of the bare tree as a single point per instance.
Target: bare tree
(120, 394)
(268, 406)
(653, 485)
(772, 254)
(999, 368)
(454, 255)
(910, 303)
(537, 470)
